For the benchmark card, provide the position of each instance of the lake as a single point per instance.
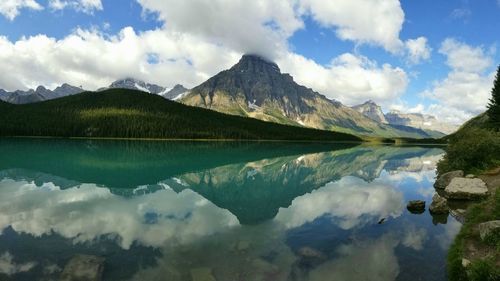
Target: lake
(220, 210)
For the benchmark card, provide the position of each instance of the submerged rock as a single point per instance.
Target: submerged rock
(202, 274)
(416, 206)
(487, 229)
(83, 267)
(466, 189)
(444, 180)
(308, 252)
(439, 205)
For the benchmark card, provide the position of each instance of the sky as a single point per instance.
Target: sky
(434, 57)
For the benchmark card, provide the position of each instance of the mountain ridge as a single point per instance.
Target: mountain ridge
(255, 87)
(39, 94)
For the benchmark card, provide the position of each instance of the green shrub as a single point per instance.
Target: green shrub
(483, 271)
(472, 150)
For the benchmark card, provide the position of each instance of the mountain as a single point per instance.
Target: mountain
(396, 119)
(122, 113)
(40, 94)
(371, 110)
(176, 93)
(422, 121)
(66, 90)
(20, 97)
(134, 84)
(255, 87)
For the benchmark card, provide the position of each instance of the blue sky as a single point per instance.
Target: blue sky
(423, 56)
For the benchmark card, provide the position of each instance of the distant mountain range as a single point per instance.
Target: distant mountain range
(256, 88)
(42, 94)
(417, 120)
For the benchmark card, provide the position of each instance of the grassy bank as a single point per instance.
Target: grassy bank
(487, 267)
(475, 149)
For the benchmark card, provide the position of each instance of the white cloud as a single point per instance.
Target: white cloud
(10, 8)
(352, 201)
(362, 21)
(351, 79)
(366, 260)
(95, 211)
(93, 59)
(418, 50)
(414, 238)
(86, 6)
(260, 26)
(465, 91)
(464, 58)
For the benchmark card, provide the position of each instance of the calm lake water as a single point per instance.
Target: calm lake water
(229, 211)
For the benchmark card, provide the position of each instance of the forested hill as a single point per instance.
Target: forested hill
(120, 113)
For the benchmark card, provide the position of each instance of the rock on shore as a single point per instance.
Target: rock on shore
(466, 189)
(444, 180)
(486, 229)
(439, 205)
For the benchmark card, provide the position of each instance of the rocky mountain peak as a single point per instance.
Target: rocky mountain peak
(256, 64)
(179, 87)
(134, 84)
(175, 93)
(371, 110)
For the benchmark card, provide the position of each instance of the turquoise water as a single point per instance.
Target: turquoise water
(220, 211)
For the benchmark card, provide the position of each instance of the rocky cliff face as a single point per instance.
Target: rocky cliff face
(397, 119)
(371, 110)
(134, 84)
(417, 120)
(255, 87)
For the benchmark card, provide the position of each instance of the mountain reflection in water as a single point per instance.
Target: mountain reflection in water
(234, 211)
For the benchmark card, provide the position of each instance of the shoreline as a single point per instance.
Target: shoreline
(470, 257)
(362, 142)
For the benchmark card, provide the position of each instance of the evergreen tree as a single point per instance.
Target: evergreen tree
(494, 105)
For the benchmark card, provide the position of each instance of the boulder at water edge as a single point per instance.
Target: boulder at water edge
(444, 180)
(466, 189)
(487, 229)
(439, 205)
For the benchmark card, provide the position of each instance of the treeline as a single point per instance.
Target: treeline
(120, 113)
